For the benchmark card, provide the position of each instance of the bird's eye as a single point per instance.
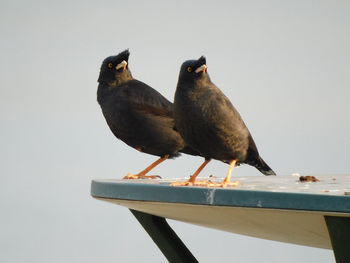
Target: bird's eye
(110, 65)
(189, 69)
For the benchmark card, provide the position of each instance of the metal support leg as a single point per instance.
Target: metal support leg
(339, 232)
(165, 238)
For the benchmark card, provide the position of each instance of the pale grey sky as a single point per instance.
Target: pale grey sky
(284, 65)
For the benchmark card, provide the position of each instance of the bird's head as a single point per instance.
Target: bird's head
(192, 70)
(115, 69)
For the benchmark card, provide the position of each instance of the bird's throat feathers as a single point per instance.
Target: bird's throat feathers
(120, 78)
(198, 82)
(202, 81)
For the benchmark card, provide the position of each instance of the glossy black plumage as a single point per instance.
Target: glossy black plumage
(136, 113)
(209, 123)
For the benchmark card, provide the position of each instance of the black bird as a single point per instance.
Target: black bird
(137, 114)
(210, 124)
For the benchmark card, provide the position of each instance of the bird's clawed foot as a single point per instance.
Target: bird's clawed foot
(141, 176)
(190, 182)
(187, 183)
(206, 183)
(222, 184)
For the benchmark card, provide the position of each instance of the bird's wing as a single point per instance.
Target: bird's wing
(224, 108)
(148, 101)
(142, 118)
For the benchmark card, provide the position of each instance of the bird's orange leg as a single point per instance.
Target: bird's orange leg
(142, 174)
(227, 179)
(192, 179)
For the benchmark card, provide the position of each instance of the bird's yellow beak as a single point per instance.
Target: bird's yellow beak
(202, 68)
(122, 65)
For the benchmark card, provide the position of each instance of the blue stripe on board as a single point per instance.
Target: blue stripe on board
(219, 196)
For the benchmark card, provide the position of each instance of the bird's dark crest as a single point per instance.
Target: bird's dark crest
(202, 61)
(124, 55)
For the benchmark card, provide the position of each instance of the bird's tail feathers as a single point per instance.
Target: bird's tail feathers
(263, 167)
